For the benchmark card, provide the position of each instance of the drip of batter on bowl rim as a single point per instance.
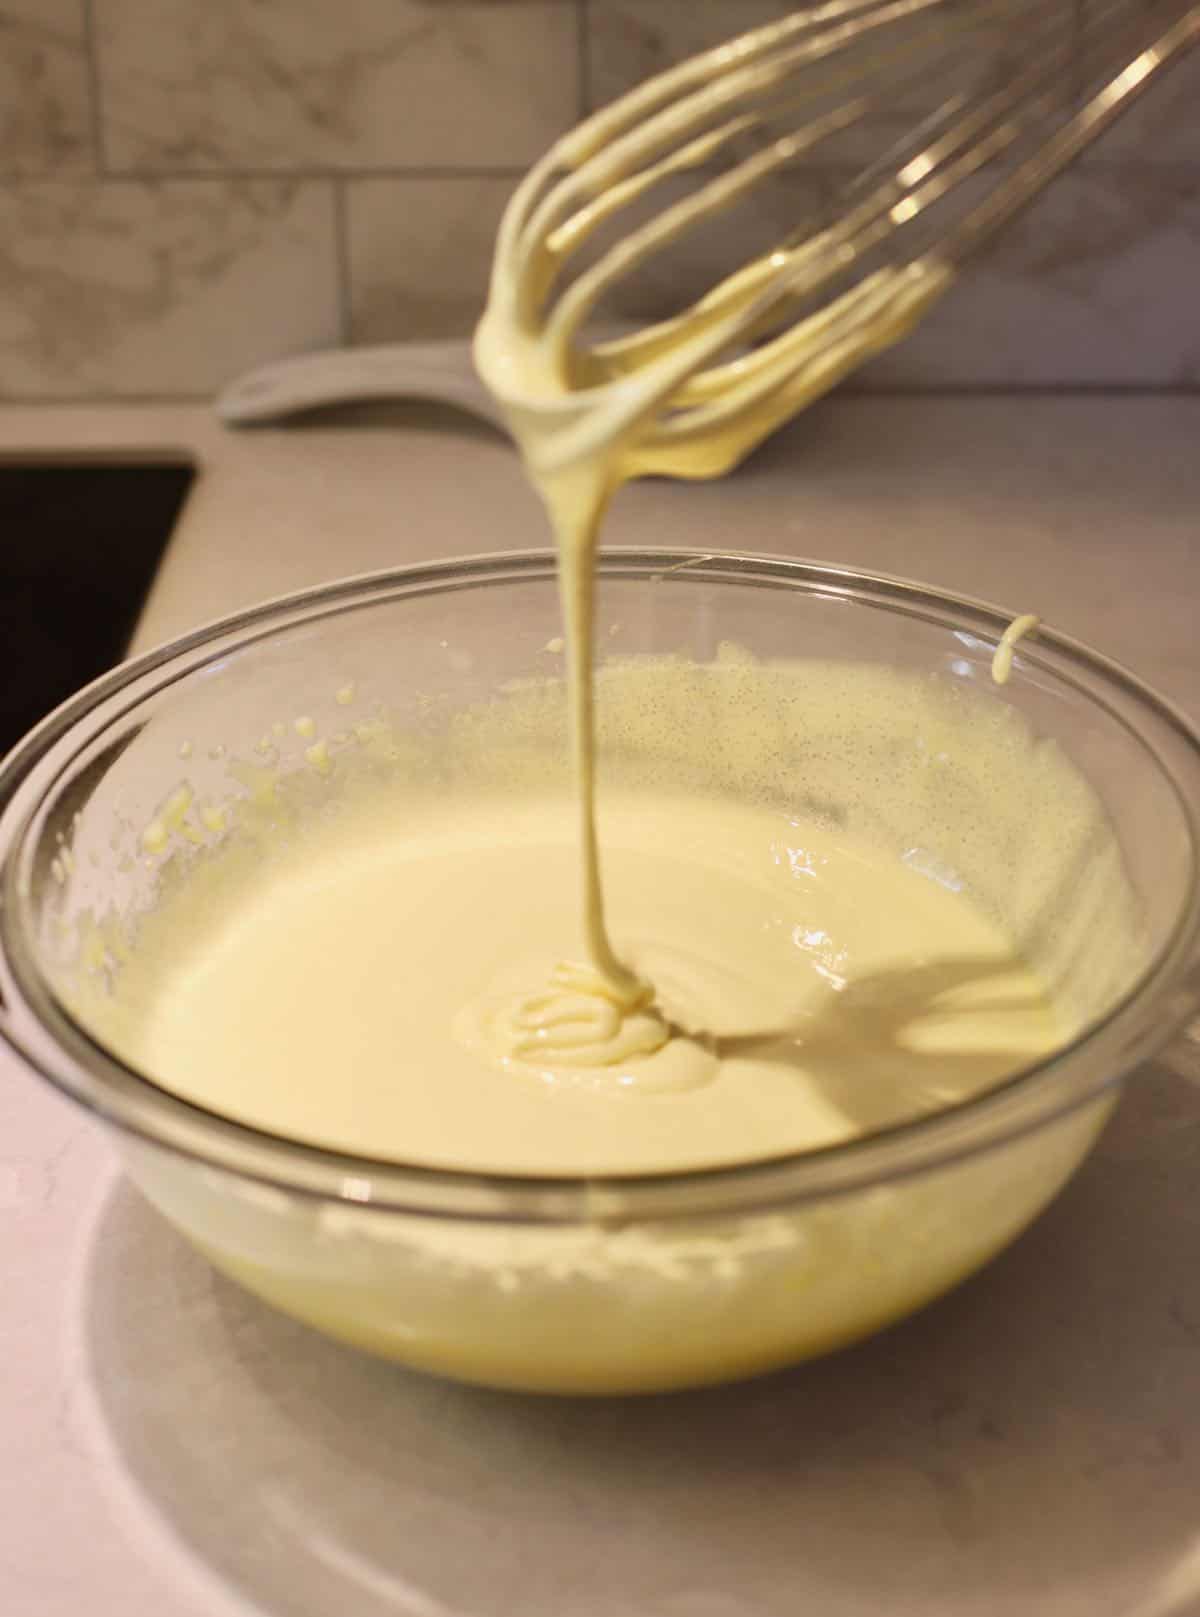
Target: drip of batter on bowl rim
(1002, 660)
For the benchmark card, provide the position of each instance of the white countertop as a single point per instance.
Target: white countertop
(1030, 1445)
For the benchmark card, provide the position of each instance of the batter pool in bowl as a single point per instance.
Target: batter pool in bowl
(277, 899)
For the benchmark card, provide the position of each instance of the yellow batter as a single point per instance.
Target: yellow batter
(813, 986)
(417, 977)
(424, 982)
(857, 891)
(835, 897)
(1002, 660)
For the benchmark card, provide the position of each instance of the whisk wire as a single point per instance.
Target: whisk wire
(990, 132)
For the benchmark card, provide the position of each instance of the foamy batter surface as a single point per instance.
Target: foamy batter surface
(343, 998)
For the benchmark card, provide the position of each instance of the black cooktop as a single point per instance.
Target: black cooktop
(79, 547)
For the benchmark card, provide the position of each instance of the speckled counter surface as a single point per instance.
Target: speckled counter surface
(1030, 1445)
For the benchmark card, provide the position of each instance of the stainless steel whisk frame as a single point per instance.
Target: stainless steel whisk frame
(939, 120)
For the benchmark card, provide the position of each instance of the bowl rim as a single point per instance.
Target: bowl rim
(47, 1039)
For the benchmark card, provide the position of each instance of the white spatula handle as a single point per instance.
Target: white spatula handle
(439, 371)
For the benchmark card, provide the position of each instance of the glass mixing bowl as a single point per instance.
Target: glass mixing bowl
(602, 1284)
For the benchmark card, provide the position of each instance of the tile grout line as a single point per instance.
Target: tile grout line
(1021, 390)
(341, 250)
(583, 58)
(137, 176)
(73, 401)
(966, 391)
(508, 171)
(92, 54)
(1078, 75)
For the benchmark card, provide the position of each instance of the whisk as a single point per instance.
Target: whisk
(938, 120)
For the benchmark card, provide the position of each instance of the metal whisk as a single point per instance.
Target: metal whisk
(939, 120)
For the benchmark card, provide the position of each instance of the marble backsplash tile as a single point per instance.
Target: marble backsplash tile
(628, 40)
(160, 287)
(1095, 285)
(188, 187)
(294, 84)
(669, 280)
(1164, 127)
(45, 95)
(419, 254)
